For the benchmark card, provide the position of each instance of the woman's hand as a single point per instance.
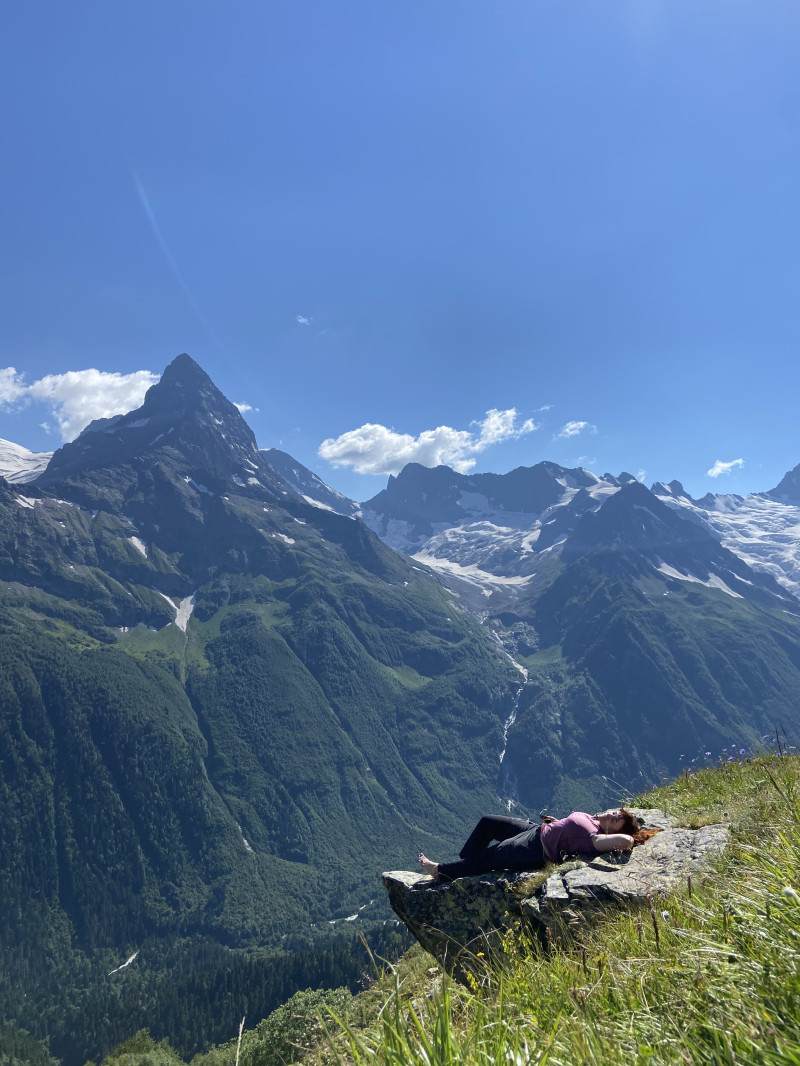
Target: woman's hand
(612, 842)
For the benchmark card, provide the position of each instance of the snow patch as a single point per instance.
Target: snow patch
(138, 545)
(18, 464)
(471, 574)
(170, 601)
(318, 503)
(474, 503)
(126, 963)
(185, 612)
(713, 581)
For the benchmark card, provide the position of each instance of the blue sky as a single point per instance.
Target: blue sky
(402, 216)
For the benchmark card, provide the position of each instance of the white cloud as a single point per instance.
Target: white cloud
(78, 396)
(572, 429)
(12, 390)
(302, 320)
(499, 426)
(641, 474)
(724, 468)
(376, 449)
(242, 407)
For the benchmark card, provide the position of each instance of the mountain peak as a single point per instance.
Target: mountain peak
(185, 389)
(184, 364)
(788, 489)
(183, 414)
(184, 374)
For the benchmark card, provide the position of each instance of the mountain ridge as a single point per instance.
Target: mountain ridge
(224, 706)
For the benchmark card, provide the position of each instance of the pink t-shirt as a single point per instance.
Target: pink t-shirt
(569, 835)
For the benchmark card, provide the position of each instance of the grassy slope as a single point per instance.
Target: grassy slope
(710, 975)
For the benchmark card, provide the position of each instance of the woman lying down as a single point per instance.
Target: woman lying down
(500, 843)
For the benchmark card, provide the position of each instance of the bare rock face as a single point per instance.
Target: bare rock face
(456, 920)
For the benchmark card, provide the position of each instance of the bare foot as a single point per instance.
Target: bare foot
(429, 867)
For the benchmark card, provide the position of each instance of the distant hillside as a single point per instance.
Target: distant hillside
(644, 624)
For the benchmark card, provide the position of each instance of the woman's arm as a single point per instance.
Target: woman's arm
(612, 842)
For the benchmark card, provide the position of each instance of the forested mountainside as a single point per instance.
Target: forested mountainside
(644, 624)
(223, 708)
(226, 706)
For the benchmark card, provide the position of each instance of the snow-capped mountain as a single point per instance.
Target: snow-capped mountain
(19, 464)
(620, 626)
(497, 538)
(213, 667)
(489, 536)
(492, 536)
(762, 528)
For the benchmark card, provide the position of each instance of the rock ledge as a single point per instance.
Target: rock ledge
(455, 920)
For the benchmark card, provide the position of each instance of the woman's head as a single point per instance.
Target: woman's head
(618, 820)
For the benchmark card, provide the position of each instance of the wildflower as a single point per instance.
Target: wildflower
(730, 758)
(742, 751)
(479, 955)
(707, 753)
(765, 736)
(665, 916)
(741, 763)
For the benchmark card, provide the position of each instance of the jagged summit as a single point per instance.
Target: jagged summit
(673, 488)
(185, 470)
(422, 500)
(788, 489)
(186, 390)
(184, 411)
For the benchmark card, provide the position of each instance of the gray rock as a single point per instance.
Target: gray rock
(456, 920)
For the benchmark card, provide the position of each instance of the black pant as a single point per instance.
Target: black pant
(518, 847)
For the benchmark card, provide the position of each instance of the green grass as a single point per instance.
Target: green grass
(198, 633)
(408, 676)
(710, 974)
(140, 640)
(543, 657)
